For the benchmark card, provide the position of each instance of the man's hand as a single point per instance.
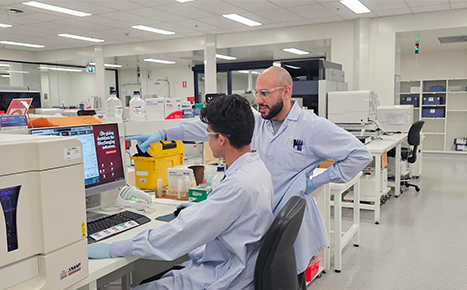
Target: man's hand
(310, 187)
(145, 140)
(99, 251)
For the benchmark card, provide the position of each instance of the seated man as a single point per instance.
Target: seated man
(230, 223)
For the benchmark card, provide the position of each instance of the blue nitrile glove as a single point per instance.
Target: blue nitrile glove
(145, 140)
(99, 251)
(183, 205)
(310, 187)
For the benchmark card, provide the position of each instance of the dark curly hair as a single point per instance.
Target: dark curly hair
(230, 115)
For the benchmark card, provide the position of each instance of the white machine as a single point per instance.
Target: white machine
(43, 241)
(395, 118)
(357, 107)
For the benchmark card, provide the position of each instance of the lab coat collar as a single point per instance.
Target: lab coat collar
(244, 159)
(295, 112)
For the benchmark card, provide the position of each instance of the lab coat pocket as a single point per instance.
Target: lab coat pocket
(292, 158)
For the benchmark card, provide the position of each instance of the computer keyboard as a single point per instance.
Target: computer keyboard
(112, 225)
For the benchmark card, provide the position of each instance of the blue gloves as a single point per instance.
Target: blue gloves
(183, 205)
(99, 251)
(145, 140)
(310, 187)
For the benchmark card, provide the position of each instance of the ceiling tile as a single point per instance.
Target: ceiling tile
(355, 16)
(312, 11)
(292, 3)
(328, 19)
(82, 24)
(219, 31)
(116, 4)
(99, 20)
(417, 3)
(393, 12)
(194, 33)
(258, 18)
(129, 18)
(156, 14)
(186, 11)
(47, 17)
(105, 34)
(254, 5)
(431, 8)
(153, 3)
(459, 5)
(221, 22)
(280, 15)
(297, 23)
(171, 27)
(57, 28)
(196, 25)
(267, 26)
(337, 8)
(32, 30)
(16, 20)
(384, 4)
(217, 7)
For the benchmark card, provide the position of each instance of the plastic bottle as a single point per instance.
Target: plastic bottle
(113, 108)
(137, 108)
(218, 177)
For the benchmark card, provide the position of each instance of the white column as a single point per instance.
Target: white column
(250, 81)
(100, 74)
(16, 77)
(210, 69)
(361, 54)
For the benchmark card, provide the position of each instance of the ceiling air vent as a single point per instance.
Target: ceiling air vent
(453, 39)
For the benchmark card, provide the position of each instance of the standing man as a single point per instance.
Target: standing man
(223, 234)
(291, 143)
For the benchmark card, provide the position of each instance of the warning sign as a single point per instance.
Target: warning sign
(19, 107)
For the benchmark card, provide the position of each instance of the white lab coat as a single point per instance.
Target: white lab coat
(290, 167)
(230, 223)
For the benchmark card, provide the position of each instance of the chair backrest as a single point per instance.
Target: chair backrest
(86, 112)
(414, 139)
(276, 267)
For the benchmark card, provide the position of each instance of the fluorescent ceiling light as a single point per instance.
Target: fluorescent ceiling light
(183, 1)
(107, 64)
(5, 25)
(22, 44)
(17, 72)
(5, 76)
(244, 71)
(226, 57)
(91, 39)
(277, 63)
(4, 64)
(255, 73)
(152, 29)
(56, 8)
(293, 67)
(65, 69)
(241, 19)
(296, 51)
(356, 6)
(159, 61)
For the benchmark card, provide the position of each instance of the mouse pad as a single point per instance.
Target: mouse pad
(166, 218)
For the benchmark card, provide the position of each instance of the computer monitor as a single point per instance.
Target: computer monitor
(102, 157)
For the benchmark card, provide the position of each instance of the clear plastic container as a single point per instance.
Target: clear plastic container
(218, 177)
(137, 108)
(113, 108)
(209, 172)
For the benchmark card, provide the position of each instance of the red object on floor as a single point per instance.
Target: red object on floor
(312, 270)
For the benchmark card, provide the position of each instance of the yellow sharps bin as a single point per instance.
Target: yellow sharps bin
(162, 155)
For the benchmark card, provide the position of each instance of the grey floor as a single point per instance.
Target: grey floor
(421, 242)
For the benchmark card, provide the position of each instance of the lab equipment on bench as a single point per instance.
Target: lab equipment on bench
(102, 156)
(395, 118)
(130, 196)
(43, 214)
(358, 107)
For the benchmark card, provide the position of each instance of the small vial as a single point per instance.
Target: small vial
(179, 188)
(160, 183)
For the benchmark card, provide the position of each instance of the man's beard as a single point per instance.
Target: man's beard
(274, 110)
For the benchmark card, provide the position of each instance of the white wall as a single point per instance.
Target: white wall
(176, 75)
(434, 65)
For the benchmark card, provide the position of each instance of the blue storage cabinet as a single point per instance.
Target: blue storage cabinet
(433, 113)
(410, 101)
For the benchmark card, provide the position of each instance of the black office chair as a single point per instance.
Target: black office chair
(86, 112)
(410, 154)
(276, 267)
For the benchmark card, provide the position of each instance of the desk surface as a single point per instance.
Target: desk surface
(101, 267)
(388, 142)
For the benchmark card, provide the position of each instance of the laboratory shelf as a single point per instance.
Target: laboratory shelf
(433, 93)
(454, 111)
(433, 118)
(433, 133)
(433, 105)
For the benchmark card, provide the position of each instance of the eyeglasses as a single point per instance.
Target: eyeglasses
(217, 133)
(266, 93)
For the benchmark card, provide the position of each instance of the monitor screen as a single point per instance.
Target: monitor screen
(7, 96)
(102, 158)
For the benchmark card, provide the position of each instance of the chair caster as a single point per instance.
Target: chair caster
(376, 223)
(323, 272)
(337, 271)
(319, 275)
(417, 189)
(407, 186)
(396, 196)
(356, 246)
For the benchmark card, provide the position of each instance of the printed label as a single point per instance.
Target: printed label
(113, 230)
(142, 173)
(83, 229)
(72, 153)
(142, 180)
